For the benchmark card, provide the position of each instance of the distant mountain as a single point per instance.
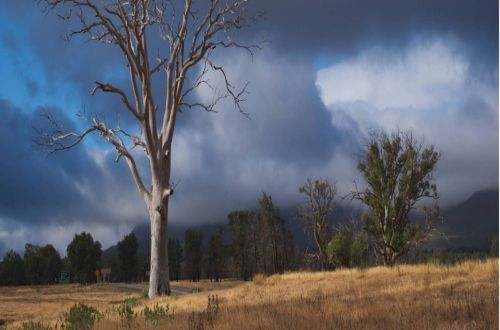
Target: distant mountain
(472, 223)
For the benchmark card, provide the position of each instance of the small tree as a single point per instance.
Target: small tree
(398, 172)
(320, 202)
(339, 247)
(127, 258)
(84, 257)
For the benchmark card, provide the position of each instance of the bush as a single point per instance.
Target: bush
(144, 294)
(34, 326)
(125, 311)
(80, 316)
(339, 248)
(156, 314)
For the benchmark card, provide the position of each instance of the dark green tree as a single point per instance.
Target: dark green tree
(241, 242)
(277, 238)
(216, 254)
(52, 264)
(12, 269)
(174, 259)
(33, 264)
(193, 240)
(84, 257)
(127, 258)
(42, 265)
(398, 171)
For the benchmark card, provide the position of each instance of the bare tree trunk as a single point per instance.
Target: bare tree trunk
(159, 282)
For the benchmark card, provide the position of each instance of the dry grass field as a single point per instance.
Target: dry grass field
(463, 296)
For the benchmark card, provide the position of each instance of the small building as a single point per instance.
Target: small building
(105, 273)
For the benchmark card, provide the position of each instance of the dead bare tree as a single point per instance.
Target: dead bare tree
(320, 202)
(187, 41)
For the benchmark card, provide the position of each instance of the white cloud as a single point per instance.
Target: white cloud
(428, 88)
(428, 73)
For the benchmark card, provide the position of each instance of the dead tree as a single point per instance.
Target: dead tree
(184, 40)
(320, 202)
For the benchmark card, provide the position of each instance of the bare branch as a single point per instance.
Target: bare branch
(60, 139)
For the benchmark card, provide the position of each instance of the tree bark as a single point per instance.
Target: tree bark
(159, 282)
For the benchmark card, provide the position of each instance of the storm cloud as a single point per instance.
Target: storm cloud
(329, 73)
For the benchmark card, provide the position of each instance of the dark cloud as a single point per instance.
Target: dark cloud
(223, 161)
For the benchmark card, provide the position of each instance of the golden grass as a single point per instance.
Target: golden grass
(206, 285)
(464, 296)
(46, 303)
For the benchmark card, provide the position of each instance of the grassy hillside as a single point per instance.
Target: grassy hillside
(463, 296)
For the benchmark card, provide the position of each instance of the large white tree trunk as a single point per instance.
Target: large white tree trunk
(159, 282)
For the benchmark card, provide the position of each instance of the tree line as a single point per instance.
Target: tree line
(398, 174)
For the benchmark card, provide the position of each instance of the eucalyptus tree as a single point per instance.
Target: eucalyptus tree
(186, 33)
(398, 171)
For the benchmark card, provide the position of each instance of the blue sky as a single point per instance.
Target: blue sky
(330, 73)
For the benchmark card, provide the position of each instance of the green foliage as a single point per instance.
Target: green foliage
(127, 259)
(80, 316)
(348, 247)
(275, 236)
(359, 250)
(339, 248)
(31, 325)
(156, 314)
(144, 294)
(42, 264)
(398, 172)
(260, 242)
(11, 269)
(125, 311)
(193, 255)
(84, 257)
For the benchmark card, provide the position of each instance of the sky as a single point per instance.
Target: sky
(330, 72)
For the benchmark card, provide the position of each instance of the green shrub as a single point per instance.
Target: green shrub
(339, 248)
(80, 316)
(125, 311)
(144, 294)
(34, 326)
(156, 314)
